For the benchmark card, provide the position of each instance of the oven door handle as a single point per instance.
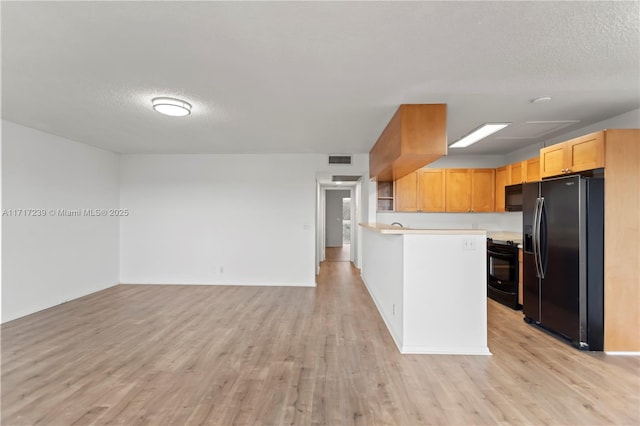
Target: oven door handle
(502, 255)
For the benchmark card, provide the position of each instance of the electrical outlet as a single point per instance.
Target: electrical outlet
(468, 244)
(222, 269)
(393, 309)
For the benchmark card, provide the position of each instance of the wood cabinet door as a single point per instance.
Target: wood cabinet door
(458, 190)
(552, 160)
(483, 187)
(532, 170)
(406, 193)
(586, 152)
(575, 155)
(501, 182)
(517, 172)
(431, 188)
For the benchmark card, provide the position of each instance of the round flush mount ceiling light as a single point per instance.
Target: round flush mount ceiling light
(542, 100)
(171, 106)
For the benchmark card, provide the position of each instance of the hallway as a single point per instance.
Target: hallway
(338, 254)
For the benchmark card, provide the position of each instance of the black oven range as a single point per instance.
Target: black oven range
(502, 272)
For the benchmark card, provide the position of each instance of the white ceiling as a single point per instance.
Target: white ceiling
(313, 77)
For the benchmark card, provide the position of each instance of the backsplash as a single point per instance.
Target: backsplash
(509, 221)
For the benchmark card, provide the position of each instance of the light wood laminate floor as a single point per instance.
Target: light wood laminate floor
(143, 354)
(338, 254)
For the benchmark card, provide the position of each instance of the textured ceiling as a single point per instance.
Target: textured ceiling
(318, 77)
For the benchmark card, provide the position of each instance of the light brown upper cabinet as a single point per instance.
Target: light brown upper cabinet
(406, 193)
(524, 171)
(431, 187)
(532, 172)
(502, 175)
(483, 190)
(421, 191)
(575, 155)
(470, 190)
(415, 137)
(517, 171)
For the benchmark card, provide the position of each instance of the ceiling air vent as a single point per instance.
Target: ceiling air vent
(339, 159)
(343, 178)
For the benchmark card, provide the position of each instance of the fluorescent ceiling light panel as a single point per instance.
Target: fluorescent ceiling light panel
(478, 134)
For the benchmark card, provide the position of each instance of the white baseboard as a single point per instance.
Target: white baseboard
(417, 350)
(47, 305)
(622, 353)
(247, 284)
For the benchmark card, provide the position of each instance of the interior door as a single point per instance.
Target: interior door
(334, 217)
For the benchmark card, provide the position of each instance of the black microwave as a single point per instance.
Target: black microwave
(513, 198)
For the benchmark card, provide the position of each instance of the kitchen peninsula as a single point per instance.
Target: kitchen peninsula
(429, 286)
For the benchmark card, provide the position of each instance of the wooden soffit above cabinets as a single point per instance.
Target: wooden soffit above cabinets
(415, 137)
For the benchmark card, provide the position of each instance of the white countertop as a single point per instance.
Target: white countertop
(389, 229)
(516, 237)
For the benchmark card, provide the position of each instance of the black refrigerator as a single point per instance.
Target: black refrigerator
(563, 258)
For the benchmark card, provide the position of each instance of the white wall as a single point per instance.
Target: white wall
(628, 120)
(221, 219)
(334, 217)
(51, 259)
(382, 273)
(509, 221)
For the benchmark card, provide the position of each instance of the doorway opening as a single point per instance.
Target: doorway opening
(337, 233)
(335, 225)
(343, 252)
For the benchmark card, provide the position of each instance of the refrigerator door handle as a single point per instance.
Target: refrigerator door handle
(539, 245)
(535, 236)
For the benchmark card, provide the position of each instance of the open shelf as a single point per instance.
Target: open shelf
(385, 197)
